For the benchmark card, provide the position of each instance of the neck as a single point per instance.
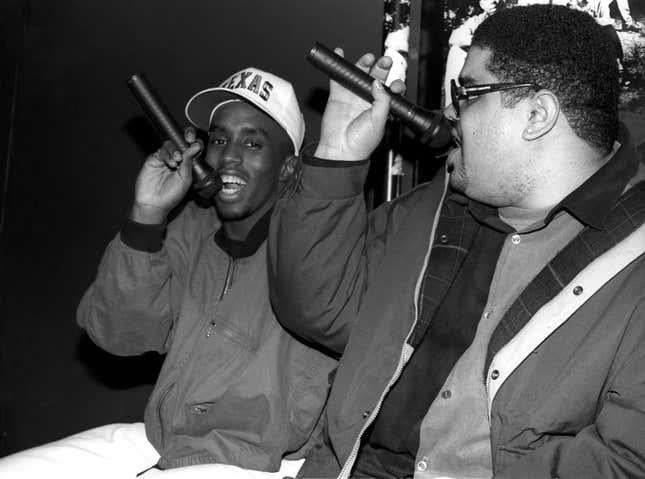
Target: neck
(561, 171)
(238, 230)
(522, 219)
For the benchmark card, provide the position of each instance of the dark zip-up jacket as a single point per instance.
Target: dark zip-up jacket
(235, 387)
(566, 394)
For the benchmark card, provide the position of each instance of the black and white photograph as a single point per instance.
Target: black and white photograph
(396, 239)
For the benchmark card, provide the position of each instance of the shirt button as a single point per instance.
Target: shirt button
(515, 239)
(446, 394)
(366, 413)
(443, 238)
(494, 375)
(422, 465)
(578, 290)
(487, 315)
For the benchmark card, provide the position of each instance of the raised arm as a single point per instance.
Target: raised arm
(128, 309)
(320, 239)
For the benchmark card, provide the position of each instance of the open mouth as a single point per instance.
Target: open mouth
(232, 184)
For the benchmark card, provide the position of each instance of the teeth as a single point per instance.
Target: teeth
(230, 189)
(233, 179)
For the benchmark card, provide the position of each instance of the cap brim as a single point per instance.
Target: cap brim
(199, 109)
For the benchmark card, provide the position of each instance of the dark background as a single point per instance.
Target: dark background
(72, 140)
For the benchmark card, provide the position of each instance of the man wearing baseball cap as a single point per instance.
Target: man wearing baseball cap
(236, 393)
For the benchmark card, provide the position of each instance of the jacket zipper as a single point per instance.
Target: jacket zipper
(403, 358)
(211, 328)
(406, 351)
(228, 281)
(230, 270)
(487, 388)
(229, 278)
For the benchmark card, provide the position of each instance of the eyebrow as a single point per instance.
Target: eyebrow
(245, 130)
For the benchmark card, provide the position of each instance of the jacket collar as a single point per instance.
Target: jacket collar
(592, 201)
(248, 246)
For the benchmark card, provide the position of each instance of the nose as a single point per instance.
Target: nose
(229, 156)
(232, 154)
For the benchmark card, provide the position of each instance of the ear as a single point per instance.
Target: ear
(288, 168)
(544, 109)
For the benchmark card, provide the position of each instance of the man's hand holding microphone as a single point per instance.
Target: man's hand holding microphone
(351, 127)
(164, 180)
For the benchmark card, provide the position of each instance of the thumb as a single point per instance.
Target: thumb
(189, 156)
(185, 171)
(380, 105)
(186, 168)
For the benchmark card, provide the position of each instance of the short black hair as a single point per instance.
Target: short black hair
(564, 51)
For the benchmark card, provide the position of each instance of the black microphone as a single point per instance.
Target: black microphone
(430, 127)
(205, 180)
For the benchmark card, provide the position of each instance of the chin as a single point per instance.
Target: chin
(488, 197)
(230, 212)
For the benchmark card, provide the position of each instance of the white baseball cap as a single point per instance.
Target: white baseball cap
(268, 92)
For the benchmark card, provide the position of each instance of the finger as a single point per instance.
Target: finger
(164, 156)
(169, 157)
(365, 62)
(190, 134)
(381, 68)
(168, 146)
(185, 169)
(174, 159)
(173, 155)
(155, 159)
(193, 150)
(380, 105)
(398, 86)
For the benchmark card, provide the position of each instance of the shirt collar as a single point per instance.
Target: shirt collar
(592, 201)
(482, 212)
(247, 247)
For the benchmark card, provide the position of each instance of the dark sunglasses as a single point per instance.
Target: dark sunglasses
(459, 93)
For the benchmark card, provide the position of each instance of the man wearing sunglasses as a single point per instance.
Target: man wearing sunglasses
(491, 322)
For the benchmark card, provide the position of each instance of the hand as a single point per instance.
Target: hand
(164, 180)
(352, 128)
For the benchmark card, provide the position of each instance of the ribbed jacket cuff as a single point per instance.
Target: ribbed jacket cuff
(143, 237)
(328, 179)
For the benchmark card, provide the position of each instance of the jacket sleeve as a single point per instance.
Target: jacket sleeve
(321, 248)
(129, 308)
(614, 446)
